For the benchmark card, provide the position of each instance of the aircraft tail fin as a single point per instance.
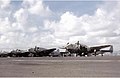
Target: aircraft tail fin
(111, 49)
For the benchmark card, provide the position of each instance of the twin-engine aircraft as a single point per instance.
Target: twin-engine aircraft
(83, 50)
(77, 49)
(32, 52)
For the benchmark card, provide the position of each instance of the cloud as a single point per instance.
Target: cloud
(31, 25)
(37, 7)
(19, 28)
(100, 28)
(4, 3)
(21, 16)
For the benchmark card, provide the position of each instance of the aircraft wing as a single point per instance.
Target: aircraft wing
(49, 50)
(100, 47)
(45, 52)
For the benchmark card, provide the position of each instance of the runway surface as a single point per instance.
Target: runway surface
(106, 66)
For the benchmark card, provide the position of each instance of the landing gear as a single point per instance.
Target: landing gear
(102, 54)
(95, 54)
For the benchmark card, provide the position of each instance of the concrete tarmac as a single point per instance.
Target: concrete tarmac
(106, 66)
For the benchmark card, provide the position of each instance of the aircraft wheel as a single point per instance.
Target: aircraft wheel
(101, 54)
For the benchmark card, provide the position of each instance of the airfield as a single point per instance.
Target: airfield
(106, 66)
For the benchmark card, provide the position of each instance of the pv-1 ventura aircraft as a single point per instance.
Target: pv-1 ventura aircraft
(43, 52)
(32, 52)
(83, 50)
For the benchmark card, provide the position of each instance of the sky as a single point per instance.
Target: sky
(50, 23)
